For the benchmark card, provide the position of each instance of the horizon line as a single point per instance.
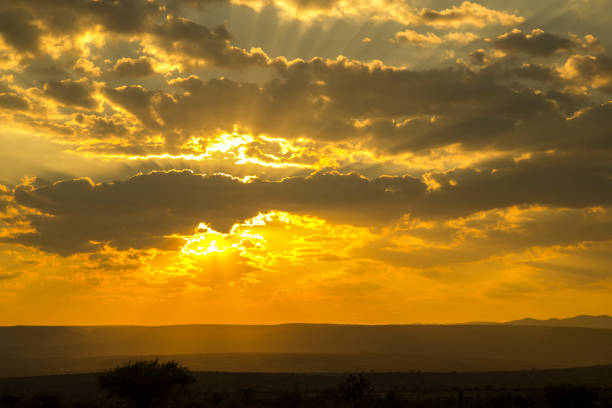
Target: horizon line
(475, 323)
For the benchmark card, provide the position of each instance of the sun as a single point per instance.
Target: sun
(205, 241)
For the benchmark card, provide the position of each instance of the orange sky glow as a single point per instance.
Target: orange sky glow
(263, 162)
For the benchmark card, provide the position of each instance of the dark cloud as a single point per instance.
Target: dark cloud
(314, 4)
(394, 109)
(18, 31)
(136, 100)
(121, 16)
(504, 105)
(191, 84)
(103, 126)
(415, 110)
(13, 101)
(537, 43)
(72, 93)
(555, 180)
(45, 68)
(142, 211)
(397, 109)
(63, 16)
(479, 57)
(537, 72)
(176, 5)
(176, 35)
(302, 93)
(553, 87)
(130, 67)
(185, 38)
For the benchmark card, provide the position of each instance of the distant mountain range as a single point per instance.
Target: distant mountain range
(593, 322)
(524, 344)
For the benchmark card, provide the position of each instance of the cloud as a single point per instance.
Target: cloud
(177, 37)
(187, 39)
(191, 83)
(468, 13)
(418, 39)
(5, 197)
(17, 30)
(386, 109)
(13, 101)
(398, 110)
(490, 234)
(537, 43)
(69, 16)
(479, 57)
(538, 72)
(463, 38)
(86, 67)
(431, 39)
(137, 100)
(593, 71)
(335, 91)
(130, 67)
(545, 179)
(142, 211)
(72, 93)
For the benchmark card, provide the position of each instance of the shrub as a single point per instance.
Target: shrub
(146, 384)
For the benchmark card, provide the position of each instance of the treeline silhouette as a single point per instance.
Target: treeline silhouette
(153, 384)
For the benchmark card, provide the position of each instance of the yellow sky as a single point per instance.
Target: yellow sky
(185, 161)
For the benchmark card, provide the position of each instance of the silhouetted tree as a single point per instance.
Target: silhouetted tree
(44, 401)
(391, 400)
(145, 384)
(215, 399)
(289, 400)
(571, 396)
(509, 400)
(248, 396)
(9, 401)
(353, 391)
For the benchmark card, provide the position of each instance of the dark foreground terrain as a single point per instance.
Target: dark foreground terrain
(578, 387)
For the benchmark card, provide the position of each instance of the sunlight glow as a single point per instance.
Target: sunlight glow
(239, 148)
(270, 235)
(206, 241)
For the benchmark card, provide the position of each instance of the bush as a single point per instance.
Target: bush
(571, 396)
(146, 384)
(9, 401)
(44, 401)
(353, 391)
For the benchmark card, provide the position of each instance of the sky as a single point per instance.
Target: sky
(325, 161)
